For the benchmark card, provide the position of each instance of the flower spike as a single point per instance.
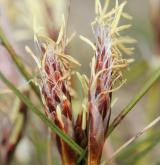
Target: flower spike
(54, 80)
(106, 73)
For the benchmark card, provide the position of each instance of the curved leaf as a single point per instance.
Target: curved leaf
(49, 123)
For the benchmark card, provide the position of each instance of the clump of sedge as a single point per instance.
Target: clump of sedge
(56, 68)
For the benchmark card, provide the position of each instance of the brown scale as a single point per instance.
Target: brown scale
(57, 76)
(96, 149)
(49, 101)
(49, 85)
(91, 117)
(64, 89)
(105, 76)
(66, 92)
(78, 127)
(47, 70)
(106, 65)
(103, 54)
(94, 146)
(67, 109)
(50, 105)
(56, 97)
(58, 122)
(54, 66)
(98, 88)
(98, 64)
(80, 135)
(103, 105)
(66, 152)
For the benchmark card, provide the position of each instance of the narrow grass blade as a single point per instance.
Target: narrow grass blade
(142, 154)
(50, 124)
(137, 151)
(140, 133)
(134, 101)
(84, 153)
(17, 61)
(140, 145)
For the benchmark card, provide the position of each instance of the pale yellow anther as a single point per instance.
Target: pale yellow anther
(86, 40)
(108, 26)
(29, 51)
(59, 114)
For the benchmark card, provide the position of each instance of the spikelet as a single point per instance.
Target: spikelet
(106, 72)
(55, 70)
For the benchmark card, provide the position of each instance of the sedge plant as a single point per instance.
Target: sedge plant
(82, 121)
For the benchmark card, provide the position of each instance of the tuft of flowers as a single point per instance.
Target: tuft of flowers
(84, 116)
(106, 72)
(54, 81)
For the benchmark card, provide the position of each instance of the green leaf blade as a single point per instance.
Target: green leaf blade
(16, 59)
(50, 124)
(134, 101)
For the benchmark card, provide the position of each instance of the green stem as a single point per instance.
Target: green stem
(84, 153)
(17, 61)
(134, 101)
(49, 123)
(49, 148)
